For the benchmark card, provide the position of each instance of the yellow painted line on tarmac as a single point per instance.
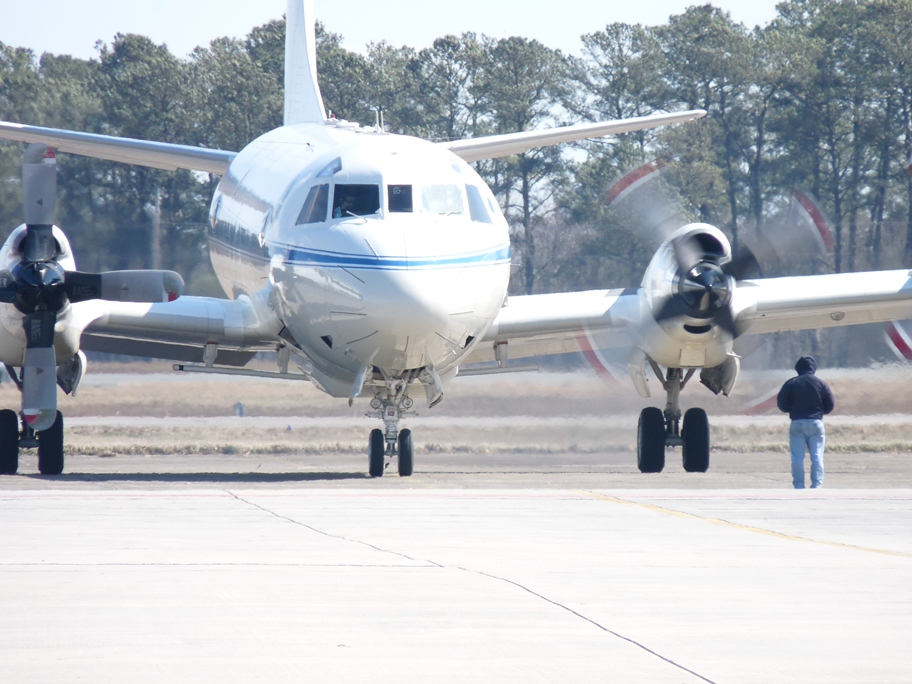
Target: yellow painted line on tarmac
(738, 526)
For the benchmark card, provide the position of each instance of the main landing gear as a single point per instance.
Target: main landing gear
(391, 405)
(49, 443)
(658, 429)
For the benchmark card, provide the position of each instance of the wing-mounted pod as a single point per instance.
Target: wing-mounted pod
(41, 282)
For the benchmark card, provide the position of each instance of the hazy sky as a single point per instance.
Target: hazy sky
(73, 26)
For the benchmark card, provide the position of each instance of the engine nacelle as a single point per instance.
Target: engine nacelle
(687, 302)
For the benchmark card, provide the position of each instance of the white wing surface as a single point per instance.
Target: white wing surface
(126, 150)
(823, 301)
(178, 330)
(493, 146)
(538, 325)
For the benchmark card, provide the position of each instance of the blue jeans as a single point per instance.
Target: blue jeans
(808, 433)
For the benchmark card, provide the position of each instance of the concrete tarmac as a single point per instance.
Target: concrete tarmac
(242, 568)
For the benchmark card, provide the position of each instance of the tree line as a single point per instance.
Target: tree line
(820, 99)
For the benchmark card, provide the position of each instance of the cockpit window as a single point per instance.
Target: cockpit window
(314, 209)
(400, 198)
(356, 200)
(331, 169)
(442, 200)
(477, 209)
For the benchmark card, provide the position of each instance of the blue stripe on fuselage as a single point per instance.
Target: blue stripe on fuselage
(316, 257)
(312, 257)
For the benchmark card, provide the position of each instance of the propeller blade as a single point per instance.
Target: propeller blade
(8, 287)
(39, 371)
(726, 321)
(39, 185)
(744, 264)
(670, 307)
(687, 253)
(39, 244)
(124, 286)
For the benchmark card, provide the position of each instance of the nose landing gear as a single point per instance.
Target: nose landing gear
(391, 406)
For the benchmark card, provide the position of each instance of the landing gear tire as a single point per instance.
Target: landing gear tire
(9, 442)
(651, 440)
(695, 433)
(377, 452)
(50, 448)
(405, 453)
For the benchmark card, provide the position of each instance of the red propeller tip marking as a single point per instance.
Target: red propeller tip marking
(896, 335)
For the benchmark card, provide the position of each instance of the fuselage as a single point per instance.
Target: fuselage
(375, 250)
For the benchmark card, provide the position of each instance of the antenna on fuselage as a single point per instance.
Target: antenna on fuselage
(303, 101)
(379, 119)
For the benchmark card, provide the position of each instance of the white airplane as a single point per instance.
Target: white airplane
(378, 263)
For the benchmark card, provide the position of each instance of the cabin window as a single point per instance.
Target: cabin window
(477, 209)
(400, 198)
(356, 200)
(442, 200)
(314, 209)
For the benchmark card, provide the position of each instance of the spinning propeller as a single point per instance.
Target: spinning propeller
(40, 288)
(703, 285)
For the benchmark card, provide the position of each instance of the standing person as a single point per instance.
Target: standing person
(806, 399)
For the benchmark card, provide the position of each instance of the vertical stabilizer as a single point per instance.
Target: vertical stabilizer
(303, 101)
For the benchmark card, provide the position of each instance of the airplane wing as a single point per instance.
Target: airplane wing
(493, 146)
(178, 330)
(539, 325)
(823, 301)
(126, 150)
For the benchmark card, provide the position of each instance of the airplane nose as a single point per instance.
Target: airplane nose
(414, 319)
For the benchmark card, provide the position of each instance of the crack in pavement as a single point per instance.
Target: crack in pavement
(597, 624)
(327, 534)
(481, 573)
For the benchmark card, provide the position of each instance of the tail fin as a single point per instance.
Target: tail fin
(303, 101)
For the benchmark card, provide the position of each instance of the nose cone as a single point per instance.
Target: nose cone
(416, 316)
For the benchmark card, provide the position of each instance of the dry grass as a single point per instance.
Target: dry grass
(536, 395)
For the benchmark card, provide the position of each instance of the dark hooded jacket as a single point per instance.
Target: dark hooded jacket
(806, 396)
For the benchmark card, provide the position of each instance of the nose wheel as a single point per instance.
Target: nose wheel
(383, 445)
(377, 453)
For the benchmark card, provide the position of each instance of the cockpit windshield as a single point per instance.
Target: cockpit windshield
(355, 200)
(314, 209)
(400, 198)
(442, 200)
(477, 209)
